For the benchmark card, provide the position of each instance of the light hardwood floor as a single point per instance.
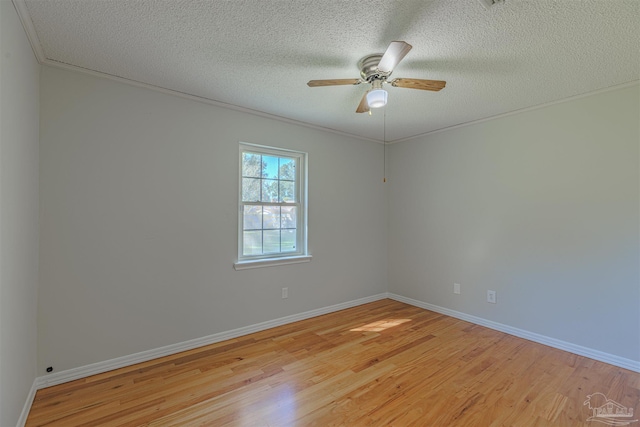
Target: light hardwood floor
(379, 364)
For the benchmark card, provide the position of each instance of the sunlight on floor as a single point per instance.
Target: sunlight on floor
(380, 325)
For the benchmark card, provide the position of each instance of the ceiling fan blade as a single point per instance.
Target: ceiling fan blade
(393, 55)
(434, 85)
(334, 82)
(363, 107)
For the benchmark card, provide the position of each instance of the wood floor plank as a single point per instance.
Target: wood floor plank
(380, 364)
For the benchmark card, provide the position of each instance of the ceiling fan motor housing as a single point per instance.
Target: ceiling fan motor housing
(369, 68)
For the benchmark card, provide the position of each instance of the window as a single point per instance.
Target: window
(272, 211)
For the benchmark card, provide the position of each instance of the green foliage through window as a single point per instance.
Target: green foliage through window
(268, 178)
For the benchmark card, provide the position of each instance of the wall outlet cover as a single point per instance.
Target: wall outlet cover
(491, 297)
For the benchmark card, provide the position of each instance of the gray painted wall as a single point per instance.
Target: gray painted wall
(19, 109)
(139, 194)
(541, 206)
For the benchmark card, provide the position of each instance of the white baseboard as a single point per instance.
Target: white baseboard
(611, 359)
(27, 404)
(144, 356)
(121, 362)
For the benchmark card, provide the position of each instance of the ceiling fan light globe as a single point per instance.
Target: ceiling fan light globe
(377, 98)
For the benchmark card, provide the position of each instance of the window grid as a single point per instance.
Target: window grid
(279, 228)
(271, 212)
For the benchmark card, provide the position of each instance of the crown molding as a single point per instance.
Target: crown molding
(201, 99)
(522, 110)
(29, 29)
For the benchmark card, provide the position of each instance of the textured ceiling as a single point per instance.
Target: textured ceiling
(259, 55)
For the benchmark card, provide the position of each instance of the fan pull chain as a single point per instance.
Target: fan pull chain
(384, 145)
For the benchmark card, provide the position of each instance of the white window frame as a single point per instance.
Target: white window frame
(266, 260)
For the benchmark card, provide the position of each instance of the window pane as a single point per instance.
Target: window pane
(271, 241)
(252, 243)
(252, 218)
(269, 167)
(272, 203)
(251, 165)
(271, 217)
(288, 217)
(287, 191)
(250, 189)
(288, 241)
(287, 169)
(269, 190)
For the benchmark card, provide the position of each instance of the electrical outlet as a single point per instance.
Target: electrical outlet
(491, 297)
(285, 293)
(456, 288)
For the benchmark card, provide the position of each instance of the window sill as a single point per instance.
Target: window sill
(270, 262)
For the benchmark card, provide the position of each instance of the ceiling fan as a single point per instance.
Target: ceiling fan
(375, 70)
